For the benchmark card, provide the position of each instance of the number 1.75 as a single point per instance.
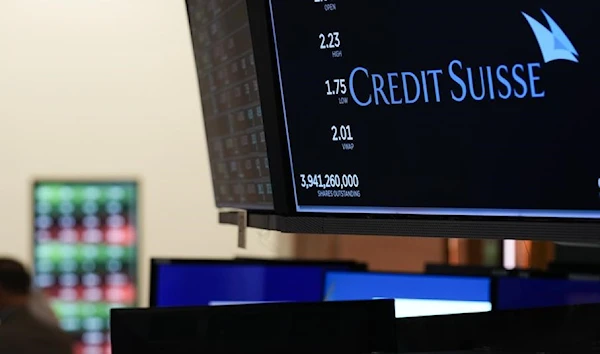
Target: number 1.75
(336, 87)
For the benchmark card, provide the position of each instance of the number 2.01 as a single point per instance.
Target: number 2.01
(343, 133)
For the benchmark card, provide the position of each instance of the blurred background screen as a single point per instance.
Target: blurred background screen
(519, 293)
(231, 103)
(85, 247)
(208, 282)
(414, 294)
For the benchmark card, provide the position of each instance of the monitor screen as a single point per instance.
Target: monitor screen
(351, 327)
(231, 104)
(196, 283)
(85, 254)
(515, 293)
(441, 108)
(415, 294)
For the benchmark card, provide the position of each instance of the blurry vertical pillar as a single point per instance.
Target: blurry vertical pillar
(523, 254)
(456, 251)
(533, 254)
(403, 254)
(474, 252)
(542, 253)
(492, 253)
(316, 247)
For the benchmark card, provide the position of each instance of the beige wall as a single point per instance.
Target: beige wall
(107, 88)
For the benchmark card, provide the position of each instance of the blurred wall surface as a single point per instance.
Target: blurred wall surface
(400, 254)
(108, 89)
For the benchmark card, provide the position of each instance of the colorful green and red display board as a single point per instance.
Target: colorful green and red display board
(85, 251)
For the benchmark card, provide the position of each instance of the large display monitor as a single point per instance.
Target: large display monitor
(85, 254)
(515, 293)
(468, 120)
(414, 294)
(226, 282)
(440, 108)
(543, 330)
(230, 98)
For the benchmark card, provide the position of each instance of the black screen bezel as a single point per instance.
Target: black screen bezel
(272, 107)
(274, 164)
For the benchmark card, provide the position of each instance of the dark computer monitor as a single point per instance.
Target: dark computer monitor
(564, 329)
(383, 133)
(225, 282)
(358, 327)
(353, 265)
(531, 292)
(231, 104)
(447, 269)
(573, 268)
(414, 294)
(474, 351)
